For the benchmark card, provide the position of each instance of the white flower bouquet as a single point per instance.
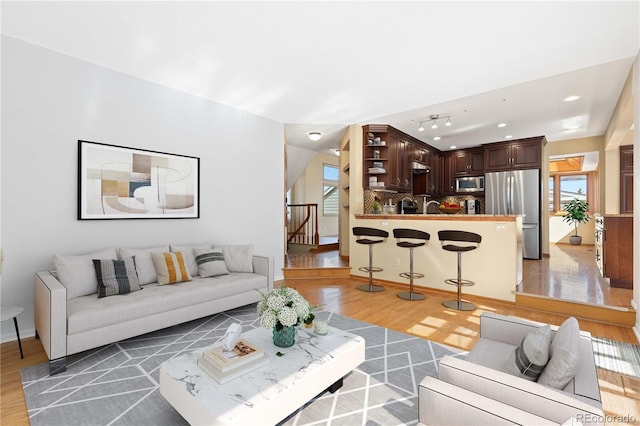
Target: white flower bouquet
(282, 307)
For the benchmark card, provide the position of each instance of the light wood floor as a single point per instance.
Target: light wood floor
(427, 318)
(569, 273)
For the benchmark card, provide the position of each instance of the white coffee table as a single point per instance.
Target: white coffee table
(268, 394)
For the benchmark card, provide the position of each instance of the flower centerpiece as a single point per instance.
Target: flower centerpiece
(282, 309)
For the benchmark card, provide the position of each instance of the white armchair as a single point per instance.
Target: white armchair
(473, 391)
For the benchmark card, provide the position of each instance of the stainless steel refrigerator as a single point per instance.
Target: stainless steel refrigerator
(517, 192)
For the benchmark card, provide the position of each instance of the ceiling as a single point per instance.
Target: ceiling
(320, 66)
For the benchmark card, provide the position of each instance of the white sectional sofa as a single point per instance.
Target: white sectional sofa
(473, 391)
(71, 318)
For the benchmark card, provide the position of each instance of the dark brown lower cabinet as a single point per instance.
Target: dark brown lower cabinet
(618, 250)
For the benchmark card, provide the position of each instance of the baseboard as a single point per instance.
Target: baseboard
(320, 272)
(614, 315)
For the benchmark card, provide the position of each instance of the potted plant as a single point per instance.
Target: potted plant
(576, 212)
(308, 321)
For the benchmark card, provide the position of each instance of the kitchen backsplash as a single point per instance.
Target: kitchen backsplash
(383, 198)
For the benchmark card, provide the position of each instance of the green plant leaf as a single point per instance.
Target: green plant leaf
(279, 353)
(576, 212)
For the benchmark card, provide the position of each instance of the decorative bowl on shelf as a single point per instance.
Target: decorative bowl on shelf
(449, 210)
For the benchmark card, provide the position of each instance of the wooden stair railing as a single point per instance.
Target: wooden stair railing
(304, 219)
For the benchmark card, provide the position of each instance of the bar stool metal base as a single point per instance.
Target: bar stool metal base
(370, 288)
(411, 295)
(459, 305)
(408, 295)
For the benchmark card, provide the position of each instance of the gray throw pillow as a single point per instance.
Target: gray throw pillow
(210, 262)
(238, 258)
(563, 353)
(116, 276)
(78, 274)
(531, 355)
(189, 257)
(144, 262)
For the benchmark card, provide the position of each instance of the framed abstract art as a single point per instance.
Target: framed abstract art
(116, 182)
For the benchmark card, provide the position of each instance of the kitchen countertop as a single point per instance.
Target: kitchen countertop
(443, 217)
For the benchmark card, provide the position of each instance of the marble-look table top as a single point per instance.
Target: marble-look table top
(315, 361)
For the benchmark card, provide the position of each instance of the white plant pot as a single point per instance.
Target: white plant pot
(575, 240)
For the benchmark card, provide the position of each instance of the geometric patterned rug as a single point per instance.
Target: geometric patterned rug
(118, 384)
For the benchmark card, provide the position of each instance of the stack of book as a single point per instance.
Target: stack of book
(225, 365)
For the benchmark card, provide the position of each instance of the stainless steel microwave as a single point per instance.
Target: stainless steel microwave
(470, 184)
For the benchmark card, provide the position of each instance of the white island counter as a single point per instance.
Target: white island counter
(495, 266)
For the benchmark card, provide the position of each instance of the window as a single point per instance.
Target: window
(330, 193)
(564, 187)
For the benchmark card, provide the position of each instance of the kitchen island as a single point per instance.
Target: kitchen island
(495, 266)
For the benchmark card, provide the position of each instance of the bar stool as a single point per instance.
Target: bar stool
(365, 235)
(459, 237)
(419, 238)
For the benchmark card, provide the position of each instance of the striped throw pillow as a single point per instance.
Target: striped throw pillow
(116, 276)
(531, 356)
(170, 267)
(210, 262)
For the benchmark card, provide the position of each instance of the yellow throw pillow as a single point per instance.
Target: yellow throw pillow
(170, 267)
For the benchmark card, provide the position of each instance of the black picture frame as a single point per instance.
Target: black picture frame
(118, 182)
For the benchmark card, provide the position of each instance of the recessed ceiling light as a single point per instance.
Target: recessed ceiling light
(315, 136)
(571, 98)
(452, 147)
(502, 125)
(508, 136)
(436, 138)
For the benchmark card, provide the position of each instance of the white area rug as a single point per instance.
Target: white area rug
(118, 384)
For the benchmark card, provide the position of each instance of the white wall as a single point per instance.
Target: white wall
(297, 161)
(612, 181)
(560, 231)
(49, 101)
(309, 189)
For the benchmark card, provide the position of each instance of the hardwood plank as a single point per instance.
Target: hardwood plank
(13, 409)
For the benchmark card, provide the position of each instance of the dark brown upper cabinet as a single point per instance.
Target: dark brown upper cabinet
(514, 155)
(468, 162)
(396, 152)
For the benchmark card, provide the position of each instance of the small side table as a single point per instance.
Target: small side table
(9, 312)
